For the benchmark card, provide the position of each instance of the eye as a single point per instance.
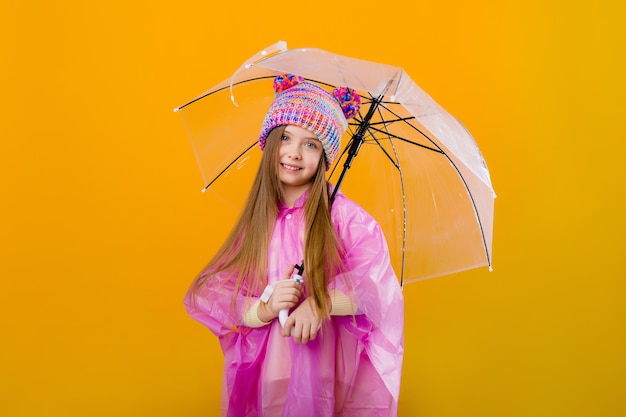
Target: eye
(284, 138)
(311, 144)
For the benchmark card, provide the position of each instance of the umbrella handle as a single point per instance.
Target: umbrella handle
(282, 317)
(284, 313)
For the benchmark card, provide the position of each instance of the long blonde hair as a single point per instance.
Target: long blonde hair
(245, 250)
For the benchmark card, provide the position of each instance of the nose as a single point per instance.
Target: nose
(294, 153)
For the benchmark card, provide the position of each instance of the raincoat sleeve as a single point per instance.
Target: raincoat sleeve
(212, 304)
(373, 286)
(243, 347)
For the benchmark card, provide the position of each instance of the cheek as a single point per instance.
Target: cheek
(314, 160)
(281, 148)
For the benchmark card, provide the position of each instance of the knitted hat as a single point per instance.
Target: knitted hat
(309, 106)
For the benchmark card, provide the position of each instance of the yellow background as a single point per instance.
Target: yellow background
(103, 227)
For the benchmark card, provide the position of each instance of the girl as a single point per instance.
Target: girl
(340, 351)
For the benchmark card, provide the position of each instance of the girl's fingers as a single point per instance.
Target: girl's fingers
(304, 337)
(282, 296)
(289, 272)
(287, 294)
(298, 333)
(288, 325)
(303, 333)
(287, 283)
(283, 305)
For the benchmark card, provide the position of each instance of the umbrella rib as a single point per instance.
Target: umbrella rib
(391, 135)
(438, 149)
(384, 150)
(435, 149)
(471, 197)
(229, 165)
(399, 168)
(399, 119)
(208, 93)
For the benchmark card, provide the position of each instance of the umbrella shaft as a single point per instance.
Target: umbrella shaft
(357, 141)
(357, 138)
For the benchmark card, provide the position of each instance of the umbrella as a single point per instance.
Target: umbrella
(408, 162)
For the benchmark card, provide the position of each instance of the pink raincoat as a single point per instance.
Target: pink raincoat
(352, 368)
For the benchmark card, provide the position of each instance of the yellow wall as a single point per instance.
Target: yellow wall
(102, 225)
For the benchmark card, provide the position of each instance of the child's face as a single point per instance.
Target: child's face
(299, 156)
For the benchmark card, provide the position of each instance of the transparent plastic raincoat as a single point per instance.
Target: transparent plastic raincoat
(352, 368)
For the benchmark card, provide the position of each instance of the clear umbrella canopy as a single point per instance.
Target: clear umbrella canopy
(418, 171)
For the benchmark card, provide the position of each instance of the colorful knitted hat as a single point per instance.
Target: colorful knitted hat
(307, 105)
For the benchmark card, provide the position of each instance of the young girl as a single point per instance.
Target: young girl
(340, 350)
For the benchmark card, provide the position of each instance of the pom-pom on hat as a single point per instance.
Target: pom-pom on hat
(301, 103)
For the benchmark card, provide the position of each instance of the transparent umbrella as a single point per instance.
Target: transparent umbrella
(407, 161)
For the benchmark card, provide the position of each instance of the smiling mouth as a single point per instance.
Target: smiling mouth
(290, 167)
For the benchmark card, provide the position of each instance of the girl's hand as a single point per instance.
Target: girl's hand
(286, 295)
(305, 322)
